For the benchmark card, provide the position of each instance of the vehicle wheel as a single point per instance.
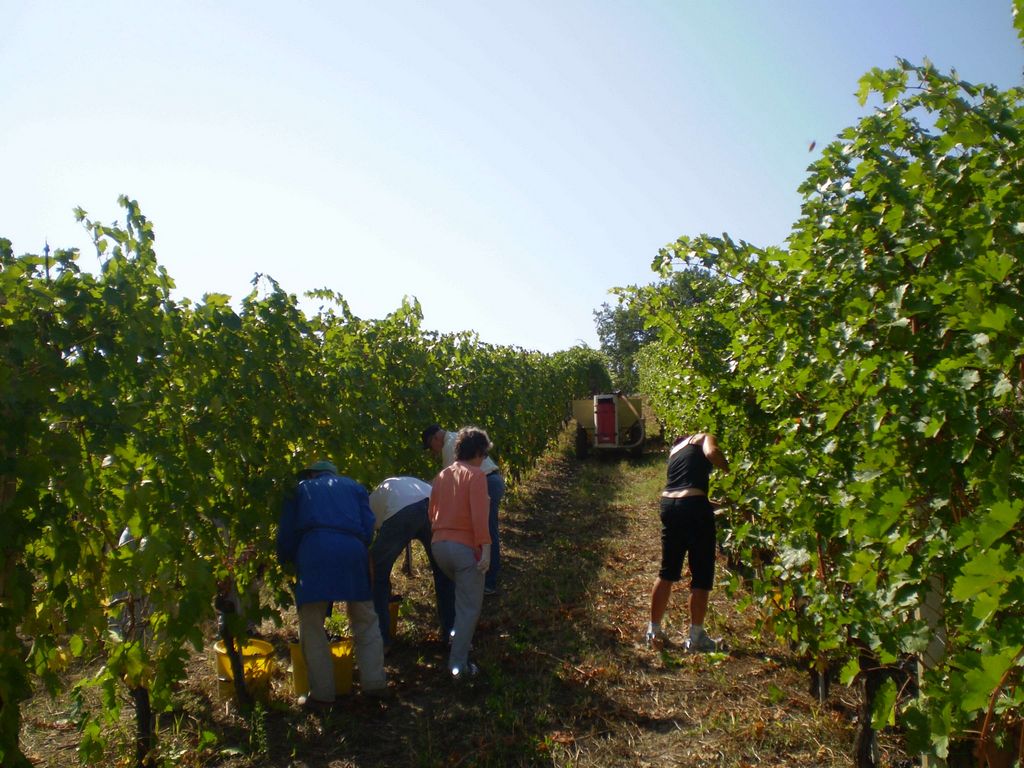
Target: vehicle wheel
(635, 434)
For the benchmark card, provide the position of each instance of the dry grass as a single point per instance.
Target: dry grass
(566, 680)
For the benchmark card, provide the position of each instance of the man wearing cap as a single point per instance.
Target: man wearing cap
(325, 530)
(442, 443)
(400, 507)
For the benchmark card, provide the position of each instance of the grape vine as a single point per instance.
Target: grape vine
(184, 423)
(867, 381)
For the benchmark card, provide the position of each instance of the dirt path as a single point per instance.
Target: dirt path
(566, 680)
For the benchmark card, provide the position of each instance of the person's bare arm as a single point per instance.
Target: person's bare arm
(714, 453)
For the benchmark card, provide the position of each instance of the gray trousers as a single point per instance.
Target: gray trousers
(458, 562)
(369, 651)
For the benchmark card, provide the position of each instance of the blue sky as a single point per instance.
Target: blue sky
(505, 163)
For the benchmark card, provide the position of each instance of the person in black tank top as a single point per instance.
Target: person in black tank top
(687, 528)
(688, 467)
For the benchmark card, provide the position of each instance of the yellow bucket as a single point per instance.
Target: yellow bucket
(341, 655)
(257, 669)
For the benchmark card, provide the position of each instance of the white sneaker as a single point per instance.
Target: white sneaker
(471, 670)
(654, 639)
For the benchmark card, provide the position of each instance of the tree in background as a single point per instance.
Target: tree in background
(622, 334)
(625, 329)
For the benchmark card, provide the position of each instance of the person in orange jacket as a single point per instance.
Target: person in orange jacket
(459, 508)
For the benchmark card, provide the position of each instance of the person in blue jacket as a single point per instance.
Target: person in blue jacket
(325, 530)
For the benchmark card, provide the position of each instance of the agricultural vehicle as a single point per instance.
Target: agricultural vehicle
(612, 422)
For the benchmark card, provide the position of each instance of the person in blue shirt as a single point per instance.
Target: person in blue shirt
(325, 530)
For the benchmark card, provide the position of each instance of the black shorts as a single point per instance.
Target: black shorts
(688, 525)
